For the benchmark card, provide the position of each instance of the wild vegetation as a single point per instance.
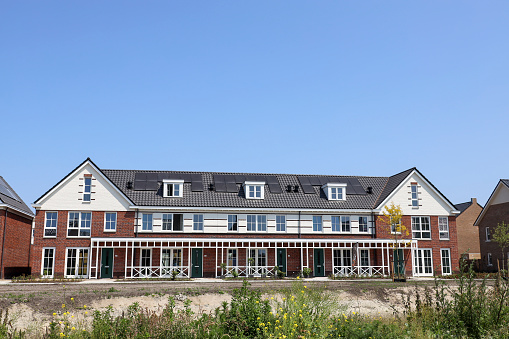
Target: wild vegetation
(469, 309)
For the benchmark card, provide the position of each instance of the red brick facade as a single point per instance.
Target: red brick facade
(494, 215)
(15, 236)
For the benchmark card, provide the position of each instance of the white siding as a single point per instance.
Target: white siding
(501, 195)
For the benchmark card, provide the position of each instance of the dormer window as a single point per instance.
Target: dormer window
(335, 191)
(254, 189)
(173, 188)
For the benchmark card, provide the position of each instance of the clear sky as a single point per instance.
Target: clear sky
(313, 87)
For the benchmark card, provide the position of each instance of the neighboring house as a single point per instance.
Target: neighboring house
(494, 212)
(100, 223)
(468, 234)
(15, 233)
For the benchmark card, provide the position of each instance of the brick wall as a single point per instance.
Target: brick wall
(468, 234)
(16, 249)
(494, 215)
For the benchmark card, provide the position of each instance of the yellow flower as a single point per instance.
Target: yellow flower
(298, 277)
(86, 312)
(305, 287)
(73, 328)
(257, 301)
(54, 314)
(271, 298)
(84, 306)
(258, 318)
(63, 305)
(72, 298)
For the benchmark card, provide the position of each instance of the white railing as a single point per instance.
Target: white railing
(159, 271)
(244, 271)
(345, 271)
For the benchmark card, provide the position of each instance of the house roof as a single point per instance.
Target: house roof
(463, 206)
(285, 199)
(504, 182)
(11, 199)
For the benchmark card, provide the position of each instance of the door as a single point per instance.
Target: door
(196, 263)
(423, 262)
(281, 259)
(399, 263)
(319, 263)
(107, 263)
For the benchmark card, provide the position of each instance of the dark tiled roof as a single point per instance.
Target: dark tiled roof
(505, 181)
(391, 185)
(14, 203)
(463, 206)
(286, 199)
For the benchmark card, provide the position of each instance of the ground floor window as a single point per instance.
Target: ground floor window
(446, 261)
(364, 260)
(423, 262)
(259, 255)
(231, 257)
(48, 262)
(77, 263)
(171, 257)
(343, 262)
(146, 262)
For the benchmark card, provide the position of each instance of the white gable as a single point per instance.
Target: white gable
(500, 196)
(68, 195)
(430, 201)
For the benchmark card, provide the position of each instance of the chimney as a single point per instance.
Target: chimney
(474, 201)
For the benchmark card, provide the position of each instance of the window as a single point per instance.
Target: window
(48, 262)
(77, 263)
(343, 262)
(364, 257)
(146, 222)
(317, 223)
(173, 188)
(254, 190)
(257, 223)
(50, 226)
(173, 222)
(231, 258)
(280, 223)
(488, 234)
(87, 192)
(395, 226)
(110, 223)
(446, 261)
(421, 228)
(363, 224)
(259, 256)
(198, 222)
(443, 227)
(171, 258)
(345, 224)
(79, 224)
(423, 262)
(415, 195)
(232, 223)
(336, 223)
(490, 260)
(146, 262)
(335, 191)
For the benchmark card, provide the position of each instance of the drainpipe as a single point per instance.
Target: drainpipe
(299, 225)
(373, 225)
(136, 236)
(3, 247)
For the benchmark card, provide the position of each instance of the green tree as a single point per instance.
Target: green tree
(501, 237)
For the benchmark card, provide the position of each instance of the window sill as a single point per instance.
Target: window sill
(79, 237)
(445, 239)
(49, 237)
(427, 239)
(110, 231)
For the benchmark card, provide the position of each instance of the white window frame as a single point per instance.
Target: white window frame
(172, 257)
(258, 224)
(345, 261)
(170, 193)
(364, 250)
(52, 260)
(173, 224)
(420, 230)
(258, 257)
(143, 268)
(490, 259)
(46, 224)
(80, 227)
(395, 226)
(232, 223)
(87, 189)
(281, 225)
(421, 264)
(106, 221)
(254, 190)
(147, 228)
(335, 191)
(320, 225)
(233, 260)
(367, 224)
(198, 225)
(76, 267)
(414, 196)
(488, 234)
(441, 230)
(449, 267)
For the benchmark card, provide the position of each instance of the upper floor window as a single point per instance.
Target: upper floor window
(232, 223)
(345, 224)
(87, 192)
(488, 234)
(198, 222)
(421, 228)
(110, 222)
(443, 227)
(336, 223)
(173, 222)
(50, 226)
(395, 226)
(335, 191)
(317, 223)
(79, 224)
(257, 223)
(415, 195)
(254, 190)
(173, 188)
(363, 224)
(280, 223)
(146, 222)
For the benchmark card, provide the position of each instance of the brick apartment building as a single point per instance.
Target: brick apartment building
(15, 233)
(100, 223)
(468, 234)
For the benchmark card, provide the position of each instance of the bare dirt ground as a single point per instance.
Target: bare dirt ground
(32, 306)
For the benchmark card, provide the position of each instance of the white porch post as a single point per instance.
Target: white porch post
(90, 266)
(125, 266)
(383, 260)
(96, 260)
(132, 260)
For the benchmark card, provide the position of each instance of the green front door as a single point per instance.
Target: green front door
(399, 263)
(107, 263)
(319, 263)
(196, 263)
(281, 259)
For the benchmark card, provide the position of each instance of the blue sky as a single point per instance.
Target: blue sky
(313, 87)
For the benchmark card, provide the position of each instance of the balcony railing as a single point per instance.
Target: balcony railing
(345, 271)
(159, 271)
(244, 271)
